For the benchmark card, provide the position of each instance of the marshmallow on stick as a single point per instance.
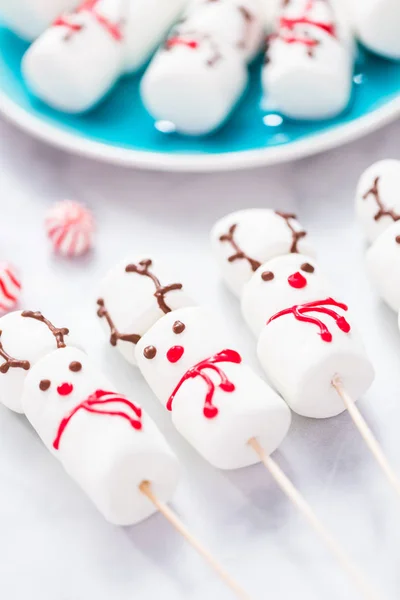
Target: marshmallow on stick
(25, 338)
(197, 77)
(377, 25)
(244, 240)
(29, 18)
(305, 336)
(75, 62)
(105, 441)
(217, 403)
(378, 211)
(309, 61)
(132, 297)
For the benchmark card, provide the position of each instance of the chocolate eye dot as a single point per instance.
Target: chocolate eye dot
(267, 276)
(44, 385)
(398, 239)
(307, 268)
(178, 327)
(150, 352)
(75, 366)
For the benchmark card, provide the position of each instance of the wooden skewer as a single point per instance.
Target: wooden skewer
(145, 488)
(368, 436)
(299, 501)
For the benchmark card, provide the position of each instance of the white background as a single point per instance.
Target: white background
(53, 543)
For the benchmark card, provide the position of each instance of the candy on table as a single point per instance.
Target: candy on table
(70, 227)
(29, 18)
(307, 343)
(199, 74)
(243, 240)
(132, 297)
(221, 407)
(377, 25)
(10, 287)
(309, 60)
(25, 338)
(79, 58)
(378, 198)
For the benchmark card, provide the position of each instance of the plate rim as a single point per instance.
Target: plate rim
(244, 159)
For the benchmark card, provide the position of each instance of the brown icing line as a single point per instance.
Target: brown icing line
(143, 268)
(239, 253)
(58, 333)
(10, 362)
(382, 211)
(296, 235)
(115, 336)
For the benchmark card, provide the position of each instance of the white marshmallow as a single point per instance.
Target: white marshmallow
(238, 22)
(25, 340)
(219, 404)
(383, 263)
(309, 61)
(194, 82)
(147, 25)
(254, 236)
(73, 64)
(29, 18)
(378, 197)
(377, 25)
(108, 455)
(135, 300)
(304, 349)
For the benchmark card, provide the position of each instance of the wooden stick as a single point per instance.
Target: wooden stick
(368, 436)
(145, 488)
(299, 501)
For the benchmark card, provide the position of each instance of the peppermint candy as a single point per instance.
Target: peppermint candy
(10, 288)
(70, 228)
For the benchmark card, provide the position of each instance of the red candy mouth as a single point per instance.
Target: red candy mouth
(175, 353)
(297, 280)
(65, 389)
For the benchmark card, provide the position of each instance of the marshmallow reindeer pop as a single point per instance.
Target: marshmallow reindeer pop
(197, 77)
(29, 19)
(307, 344)
(309, 60)
(106, 442)
(218, 404)
(378, 211)
(75, 62)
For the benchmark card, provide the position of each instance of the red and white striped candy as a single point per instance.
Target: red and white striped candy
(10, 288)
(70, 227)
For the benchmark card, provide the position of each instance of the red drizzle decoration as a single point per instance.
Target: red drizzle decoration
(94, 404)
(90, 6)
(319, 306)
(210, 411)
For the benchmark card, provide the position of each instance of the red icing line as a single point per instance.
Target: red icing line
(319, 306)
(94, 403)
(178, 41)
(89, 6)
(210, 411)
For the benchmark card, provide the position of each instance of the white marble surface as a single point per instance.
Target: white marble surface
(53, 544)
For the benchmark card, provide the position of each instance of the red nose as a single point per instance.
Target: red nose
(297, 280)
(65, 388)
(175, 353)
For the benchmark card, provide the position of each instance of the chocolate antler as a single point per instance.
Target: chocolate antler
(382, 211)
(12, 362)
(239, 253)
(58, 333)
(297, 235)
(143, 268)
(115, 336)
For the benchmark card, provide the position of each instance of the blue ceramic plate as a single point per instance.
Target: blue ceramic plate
(119, 130)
